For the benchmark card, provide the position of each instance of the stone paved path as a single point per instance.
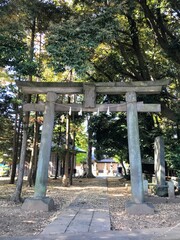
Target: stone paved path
(85, 214)
(87, 218)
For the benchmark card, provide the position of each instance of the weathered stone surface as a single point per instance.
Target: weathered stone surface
(89, 95)
(145, 186)
(134, 149)
(171, 192)
(45, 147)
(162, 191)
(51, 97)
(41, 204)
(159, 160)
(145, 87)
(139, 208)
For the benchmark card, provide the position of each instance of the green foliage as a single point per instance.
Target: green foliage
(9, 103)
(21, 22)
(7, 96)
(97, 41)
(172, 145)
(110, 135)
(163, 16)
(73, 42)
(172, 156)
(27, 67)
(81, 142)
(77, 130)
(112, 41)
(6, 136)
(12, 48)
(4, 77)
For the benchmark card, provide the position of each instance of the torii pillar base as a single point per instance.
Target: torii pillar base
(38, 204)
(139, 208)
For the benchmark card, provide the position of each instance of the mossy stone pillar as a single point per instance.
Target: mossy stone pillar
(39, 201)
(159, 167)
(134, 149)
(159, 161)
(45, 147)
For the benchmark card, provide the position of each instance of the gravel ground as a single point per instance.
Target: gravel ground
(17, 222)
(167, 211)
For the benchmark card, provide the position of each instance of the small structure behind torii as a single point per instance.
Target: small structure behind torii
(90, 90)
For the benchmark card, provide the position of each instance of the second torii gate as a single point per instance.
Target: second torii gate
(131, 106)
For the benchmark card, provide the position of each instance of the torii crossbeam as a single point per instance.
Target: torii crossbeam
(90, 90)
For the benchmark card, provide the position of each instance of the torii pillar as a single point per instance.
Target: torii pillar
(137, 205)
(40, 201)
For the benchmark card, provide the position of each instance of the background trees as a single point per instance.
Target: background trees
(119, 37)
(98, 41)
(8, 105)
(123, 41)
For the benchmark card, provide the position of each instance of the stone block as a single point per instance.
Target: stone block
(171, 191)
(51, 96)
(89, 95)
(162, 191)
(139, 208)
(154, 181)
(159, 161)
(145, 186)
(38, 204)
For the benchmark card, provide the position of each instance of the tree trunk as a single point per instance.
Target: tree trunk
(15, 149)
(16, 197)
(65, 180)
(72, 160)
(34, 152)
(30, 169)
(57, 166)
(143, 69)
(165, 38)
(124, 169)
(63, 164)
(58, 158)
(178, 132)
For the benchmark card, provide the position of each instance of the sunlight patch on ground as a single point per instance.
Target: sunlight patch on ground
(118, 195)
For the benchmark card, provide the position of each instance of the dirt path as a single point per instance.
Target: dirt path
(16, 222)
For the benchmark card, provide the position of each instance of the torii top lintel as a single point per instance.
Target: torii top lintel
(146, 87)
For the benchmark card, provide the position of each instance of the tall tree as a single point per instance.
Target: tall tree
(119, 41)
(8, 104)
(112, 40)
(36, 17)
(12, 48)
(163, 18)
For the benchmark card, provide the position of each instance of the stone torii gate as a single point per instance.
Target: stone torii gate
(52, 89)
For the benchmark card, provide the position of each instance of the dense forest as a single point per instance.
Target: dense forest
(89, 41)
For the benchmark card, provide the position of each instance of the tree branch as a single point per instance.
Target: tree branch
(138, 51)
(172, 48)
(130, 65)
